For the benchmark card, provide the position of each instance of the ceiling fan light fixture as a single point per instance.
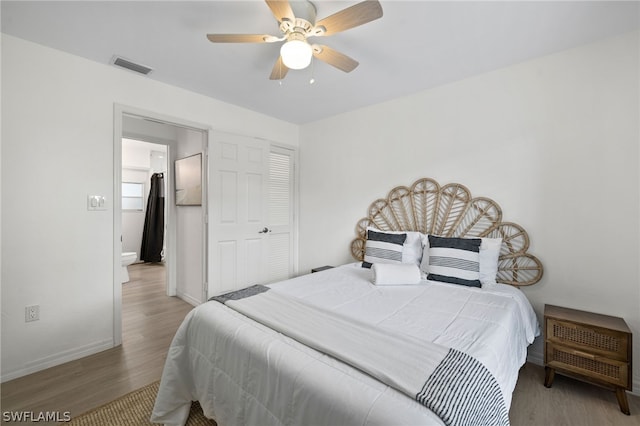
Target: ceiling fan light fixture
(297, 19)
(296, 54)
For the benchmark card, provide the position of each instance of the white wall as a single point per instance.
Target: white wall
(189, 230)
(57, 146)
(554, 141)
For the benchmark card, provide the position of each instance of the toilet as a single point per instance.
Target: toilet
(127, 259)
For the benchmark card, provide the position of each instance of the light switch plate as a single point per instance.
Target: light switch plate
(96, 202)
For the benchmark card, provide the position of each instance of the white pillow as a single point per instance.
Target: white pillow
(395, 274)
(424, 262)
(489, 253)
(412, 247)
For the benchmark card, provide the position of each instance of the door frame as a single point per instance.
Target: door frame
(119, 112)
(293, 152)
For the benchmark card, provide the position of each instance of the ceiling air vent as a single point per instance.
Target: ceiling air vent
(132, 66)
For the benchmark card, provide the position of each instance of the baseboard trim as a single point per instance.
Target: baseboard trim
(535, 357)
(57, 359)
(189, 299)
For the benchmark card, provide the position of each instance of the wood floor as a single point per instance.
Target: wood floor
(567, 402)
(150, 320)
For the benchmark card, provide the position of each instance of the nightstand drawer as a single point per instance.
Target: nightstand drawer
(606, 342)
(588, 364)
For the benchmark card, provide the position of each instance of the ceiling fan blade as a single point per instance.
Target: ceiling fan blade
(241, 38)
(334, 58)
(279, 70)
(351, 17)
(281, 9)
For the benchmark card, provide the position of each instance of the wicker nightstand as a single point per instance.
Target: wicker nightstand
(591, 347)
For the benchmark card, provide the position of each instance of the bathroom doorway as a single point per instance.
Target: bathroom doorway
(144, 208)
(147, 149)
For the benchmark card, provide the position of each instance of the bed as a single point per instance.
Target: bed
(376, 345)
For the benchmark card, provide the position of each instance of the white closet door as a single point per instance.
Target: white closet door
(281, 214)
(238, 212)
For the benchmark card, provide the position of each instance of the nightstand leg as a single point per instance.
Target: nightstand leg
(622, 400)
(549, 374)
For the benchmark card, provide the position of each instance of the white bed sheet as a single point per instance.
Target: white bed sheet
(246, 374)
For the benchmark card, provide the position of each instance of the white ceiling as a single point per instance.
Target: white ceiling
(416, 45)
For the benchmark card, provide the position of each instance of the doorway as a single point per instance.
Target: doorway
(184, 249)
(143, 165)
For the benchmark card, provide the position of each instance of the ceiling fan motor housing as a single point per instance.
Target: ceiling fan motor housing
(305, 19)
(305, 10)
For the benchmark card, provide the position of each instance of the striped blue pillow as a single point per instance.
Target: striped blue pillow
(454, 260)
(383, 247)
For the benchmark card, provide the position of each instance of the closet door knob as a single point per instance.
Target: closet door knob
(264, 230)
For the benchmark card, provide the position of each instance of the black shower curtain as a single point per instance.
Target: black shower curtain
(153, 232)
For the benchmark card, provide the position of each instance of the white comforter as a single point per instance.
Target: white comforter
(246, 374)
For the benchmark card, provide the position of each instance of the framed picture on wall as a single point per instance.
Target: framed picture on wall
(189, 181)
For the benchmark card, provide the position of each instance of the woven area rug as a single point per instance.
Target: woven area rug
(134, 409)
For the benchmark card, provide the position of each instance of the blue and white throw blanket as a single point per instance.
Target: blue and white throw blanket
(455, 386)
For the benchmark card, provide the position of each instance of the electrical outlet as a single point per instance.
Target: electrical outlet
(32, 313)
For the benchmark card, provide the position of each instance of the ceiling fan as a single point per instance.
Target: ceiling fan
(297, 20)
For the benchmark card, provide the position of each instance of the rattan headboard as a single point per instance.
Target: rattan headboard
(450, 211)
